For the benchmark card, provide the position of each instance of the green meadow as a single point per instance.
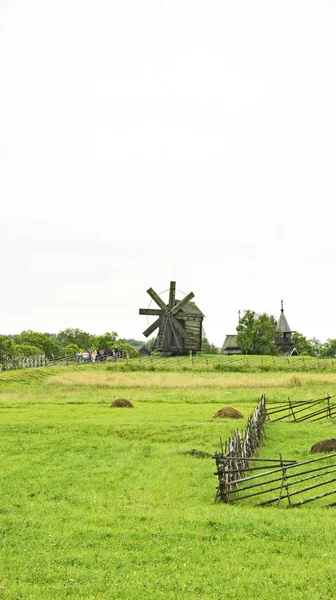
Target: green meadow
(105, 503)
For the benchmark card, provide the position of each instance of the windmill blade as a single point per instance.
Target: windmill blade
(163, 330)
(150, 311)
(172, 294)
(175, 323)
(157, 312)
(152, 327)
(179, 305)
(157, 299)
(184, 317)
(174, 333)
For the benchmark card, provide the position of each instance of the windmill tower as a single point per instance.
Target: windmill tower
(179, 323)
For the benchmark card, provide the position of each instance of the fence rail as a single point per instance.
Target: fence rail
(25, 362)
(243, 476)
(302, 410)
(237, 452)
(216, 362)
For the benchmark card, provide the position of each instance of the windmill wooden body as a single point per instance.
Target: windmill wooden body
(179, 323)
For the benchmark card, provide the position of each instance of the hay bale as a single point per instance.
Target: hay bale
(121, 403)
(227, 412)
(328, 445)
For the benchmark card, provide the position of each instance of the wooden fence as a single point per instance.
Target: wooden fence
(233, 459)
(302, 410)
(239, 363)
(24, 362)
(286, 482)
(216, 362)
(244, 476)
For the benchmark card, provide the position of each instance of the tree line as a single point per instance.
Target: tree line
(65, 343)
(256, 335)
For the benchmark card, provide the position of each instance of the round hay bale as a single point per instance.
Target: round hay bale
(328, 445)
(227, 412)
(121, 403)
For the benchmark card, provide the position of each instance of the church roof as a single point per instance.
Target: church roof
(282, 322)
(230, 342)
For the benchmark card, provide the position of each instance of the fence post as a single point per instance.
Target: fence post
(291, 408)
(284, 483)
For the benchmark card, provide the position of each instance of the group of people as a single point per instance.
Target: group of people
(98, 355)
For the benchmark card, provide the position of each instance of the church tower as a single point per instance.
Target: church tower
(283, 336)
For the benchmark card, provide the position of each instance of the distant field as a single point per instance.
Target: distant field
(101, 503)
(214, 362)
(221, 363)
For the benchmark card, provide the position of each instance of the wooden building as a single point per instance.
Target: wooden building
(283, 336)
(143, 351)
(230, 345)
(283, 339)
(179, 323)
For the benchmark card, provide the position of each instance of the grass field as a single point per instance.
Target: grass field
(235, 363)
(102, 503)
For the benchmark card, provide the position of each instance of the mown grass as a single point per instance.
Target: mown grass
(102, 503)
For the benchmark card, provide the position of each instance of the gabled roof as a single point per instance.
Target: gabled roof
(144, 351)
(190, 309)
(282, 322)
(230, 342)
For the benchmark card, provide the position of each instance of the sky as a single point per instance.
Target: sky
(144, 142)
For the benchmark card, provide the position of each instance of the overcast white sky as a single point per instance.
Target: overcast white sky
(144, 141)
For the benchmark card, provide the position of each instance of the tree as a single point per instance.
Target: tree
(316, 345)
(47, 345)
(106, 341)
(207, 347)
(7, 348)
(302, 345)
(135, 343)
(306, 347)
(74, 336)
(27, 350)
(328, 349)
(71, 350)
(256, 333)
(127, 349)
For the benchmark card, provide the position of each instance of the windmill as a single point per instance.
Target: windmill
(179, 323)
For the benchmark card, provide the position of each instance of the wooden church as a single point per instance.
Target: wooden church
(283, 336)
(283, 339)
(179, 323)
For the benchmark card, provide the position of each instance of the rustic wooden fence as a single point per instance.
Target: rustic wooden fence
(302, 410)
(24, 362)
(285, 482)
(237, 363)
(244, 476)
(213, 362)
(233, 459)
